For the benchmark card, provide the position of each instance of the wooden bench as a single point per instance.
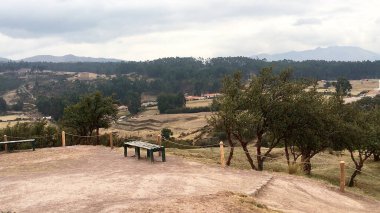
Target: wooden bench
(33, 141)
(150, 149)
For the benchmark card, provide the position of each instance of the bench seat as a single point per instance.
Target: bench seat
(33, 141)
(151, 148)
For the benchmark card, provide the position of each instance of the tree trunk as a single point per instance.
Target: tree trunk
(248, 156)
(228, 163)
(356, 172)
(287, 153)
(376, 157)
(97, 136)
(260, 162)
(305, 159)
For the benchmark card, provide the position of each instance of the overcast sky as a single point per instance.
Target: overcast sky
(150, 29)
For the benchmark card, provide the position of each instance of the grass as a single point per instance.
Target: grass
(198, 103)
(325, 167)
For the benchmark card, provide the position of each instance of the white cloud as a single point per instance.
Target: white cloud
(143, 29)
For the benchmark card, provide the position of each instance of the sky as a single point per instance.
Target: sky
(151, 29)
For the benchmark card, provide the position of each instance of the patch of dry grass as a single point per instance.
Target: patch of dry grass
(325, 166)
(198, 103)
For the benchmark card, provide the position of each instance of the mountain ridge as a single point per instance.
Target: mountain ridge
(67, 59)
(333, 53)
(4, 59)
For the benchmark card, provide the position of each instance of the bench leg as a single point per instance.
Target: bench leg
(137, 151)
(125, 150)
(34, 145)
(147, 154)
(151, 156)
(163, 154)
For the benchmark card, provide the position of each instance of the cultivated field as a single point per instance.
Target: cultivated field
(96, 179)
(362, 85)
(149, 124)
(199, 103)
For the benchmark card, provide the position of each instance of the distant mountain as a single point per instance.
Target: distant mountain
(67, 58)
(4, 59)
(335, 53)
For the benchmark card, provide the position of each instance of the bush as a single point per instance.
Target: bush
(166, 133)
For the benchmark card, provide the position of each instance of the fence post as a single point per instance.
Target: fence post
(111, 140)
(222, 161)
(63, 139)
(5, 145)
(342, 176)
(159, 142)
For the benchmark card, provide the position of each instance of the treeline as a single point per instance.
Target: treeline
(275, 110)
(197, 75)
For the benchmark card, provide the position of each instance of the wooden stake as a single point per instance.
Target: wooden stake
(222, 161)
(111, 140)
(5, 145)
(342, 176)
(63, 139)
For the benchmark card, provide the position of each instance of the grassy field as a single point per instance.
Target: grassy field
(325, 167)
(199, 103)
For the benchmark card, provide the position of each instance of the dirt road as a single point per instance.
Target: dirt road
(95, 179)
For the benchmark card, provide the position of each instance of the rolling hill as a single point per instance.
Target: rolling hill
(334, 53)
(67, 58)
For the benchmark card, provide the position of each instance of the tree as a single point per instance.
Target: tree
(264, 98)
(310, 127)
(170, 101)
(224, 119)
(3, 105)
(133, 102)
(362, 137)
(166, 133)
(250, 113)
(343, 86)
(18, 106)
(91, 113)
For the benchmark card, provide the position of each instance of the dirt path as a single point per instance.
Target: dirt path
(297, 194)
(95, 179)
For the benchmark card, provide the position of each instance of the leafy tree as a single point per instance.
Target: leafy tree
(3, 105)
(166, 133)
(91, 113)
(53, 106)
(308, 126)
(170, 101)
(370, 104)
(133, 102)
(342, 86)
(362, 136)
(264, 98)
(18, 106)
(225, 118)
